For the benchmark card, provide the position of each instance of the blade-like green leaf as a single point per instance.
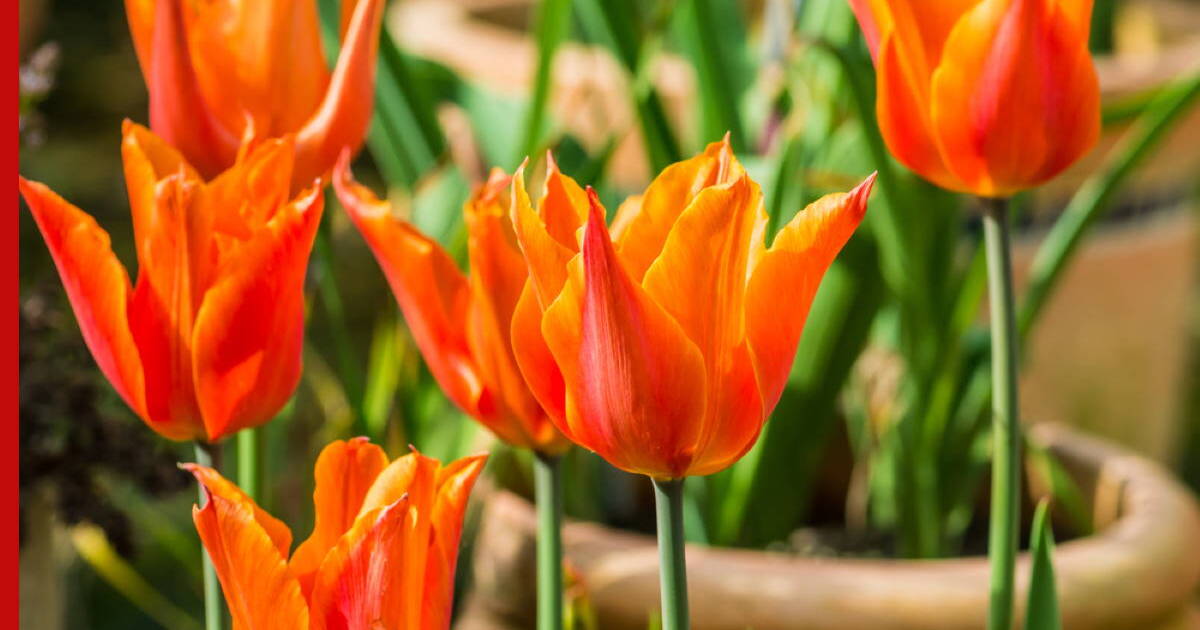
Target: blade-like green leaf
(1042, 612)
(553, 22)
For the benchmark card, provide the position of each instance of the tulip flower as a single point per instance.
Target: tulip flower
(988, 97)
(209, 340)
(665, 345)
(382, 552)
(221, 71)
(463, 326)
(460, 322)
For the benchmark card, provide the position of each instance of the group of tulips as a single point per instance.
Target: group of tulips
(661, 341)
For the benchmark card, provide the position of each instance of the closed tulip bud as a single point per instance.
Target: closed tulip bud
(988, 97)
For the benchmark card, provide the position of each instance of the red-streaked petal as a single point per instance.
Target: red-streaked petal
(784, 281)
(344, 473)
(178, 111)
(341, 120)
(249, 332)
(700, 279)
(454, 485)
(260, 591)
(432, 292)
(99, 290)
(350, 592)
(174, 247)
(635, 382)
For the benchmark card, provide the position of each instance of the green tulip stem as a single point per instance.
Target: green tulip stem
(207, 455)
(1006, 442)
(547, 477)
(668, 503)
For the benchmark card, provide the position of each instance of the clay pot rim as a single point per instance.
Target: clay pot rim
(1142, 563)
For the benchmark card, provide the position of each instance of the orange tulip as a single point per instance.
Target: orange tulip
(664, 346)
(382, 553)
(984, 96)
(219, 71)
(461, 324)
(208, 341)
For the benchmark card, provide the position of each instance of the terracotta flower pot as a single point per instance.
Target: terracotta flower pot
(1139, 571)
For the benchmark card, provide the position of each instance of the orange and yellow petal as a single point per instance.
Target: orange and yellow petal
(700, 279)
(643, 234)
(249, 333)
(784, 281)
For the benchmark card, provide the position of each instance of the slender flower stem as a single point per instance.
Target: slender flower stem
(208, 455)
(248, 468)
(547, 473)
(1006, 443)
(668, 504)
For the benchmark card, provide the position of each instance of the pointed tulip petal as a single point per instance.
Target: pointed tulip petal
(344, 473)
(545, 256)
(563, 206)
(635, 381)
(341, 120)
(215, 484)
(99, 290)
(783, 283)
(259, 590)
(249, 332)
(431, 291)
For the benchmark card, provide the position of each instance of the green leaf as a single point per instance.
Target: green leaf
(1042, 612)
(553, 23)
